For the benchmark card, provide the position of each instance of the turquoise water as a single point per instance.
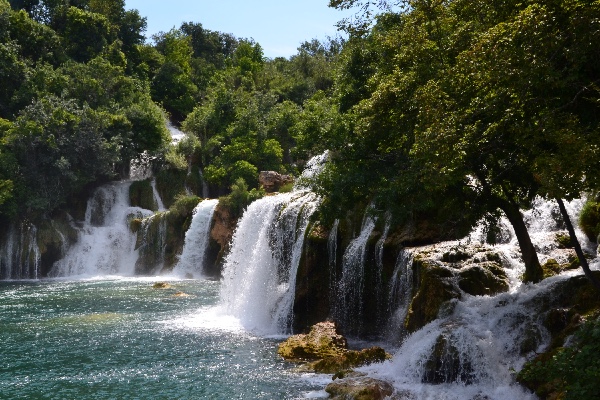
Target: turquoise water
(123, 339)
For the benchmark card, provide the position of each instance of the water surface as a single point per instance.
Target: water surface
(123, 339)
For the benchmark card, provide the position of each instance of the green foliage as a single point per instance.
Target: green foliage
(572, 372)
(589, 219)
(240, 197)
(184, 205)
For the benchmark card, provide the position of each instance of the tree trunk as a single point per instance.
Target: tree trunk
(575, 243)
(533, 269)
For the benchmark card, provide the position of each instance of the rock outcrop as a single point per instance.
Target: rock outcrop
(272, 181)
(359, 387)
(322, 341)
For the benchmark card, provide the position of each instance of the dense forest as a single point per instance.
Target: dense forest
(450, 111)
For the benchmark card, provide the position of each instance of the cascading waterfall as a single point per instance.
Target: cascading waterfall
(20, 254)
(348, 308)
(470, 350)
(260, 270)
(259, 276)
(106, 244)
(191, 261)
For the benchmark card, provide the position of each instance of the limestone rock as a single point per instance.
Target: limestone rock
(359, 388)
(350, 359)
(322, 341)
(271, 181)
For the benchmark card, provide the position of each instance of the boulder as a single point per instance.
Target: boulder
(322, 341)
(359, 387)
(271, 181)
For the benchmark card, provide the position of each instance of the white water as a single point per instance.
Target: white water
(157, 199)
(259, 276)
(260, 270)
(176, 134)
(191, 261)
(483, 334)
(105, 245)
(350, 287)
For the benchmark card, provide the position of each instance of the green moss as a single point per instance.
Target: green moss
(141, 195)
(589, 219)
(563, 241)
(433, 290)
(568, 372)
(485, 278)
(350, 359)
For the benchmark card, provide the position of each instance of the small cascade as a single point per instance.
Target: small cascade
(176, 134)
(157, 199)
(399, 295)
(151, 244)
(332, 249)
(349, 305)
(191, 261)
(20, 254)
(105, 244)
(379, 289)
(259, 276)
(205, 188)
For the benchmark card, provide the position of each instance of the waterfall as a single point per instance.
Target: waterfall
(471, 349)
(332, 248)
(105, 244)
(151, 244)
(399, 295)
(379, 272)
(20, 254)
(205, 188)
(159, 203)
(191, 261)
(349, 305)
(259, 276)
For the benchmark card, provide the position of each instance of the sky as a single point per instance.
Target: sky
(279, 26)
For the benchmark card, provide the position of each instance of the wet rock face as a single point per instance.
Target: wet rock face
(141, 195)
(271, 181)
(220, 234)
(445, 272)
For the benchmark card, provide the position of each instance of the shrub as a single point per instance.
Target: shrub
(589, 219)
(571, 372)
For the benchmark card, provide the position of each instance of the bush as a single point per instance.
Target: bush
(589, 219)
(240, 197)
(571, 372)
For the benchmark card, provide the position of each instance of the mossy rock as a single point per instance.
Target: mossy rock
(322, 341)
(359, 388)
(434, 287)
(563, 241)
(161, 285)
(589, 218)
(350, 359)
(486, 278)
(141, 195)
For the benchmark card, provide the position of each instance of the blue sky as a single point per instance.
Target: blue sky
(280, 26)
